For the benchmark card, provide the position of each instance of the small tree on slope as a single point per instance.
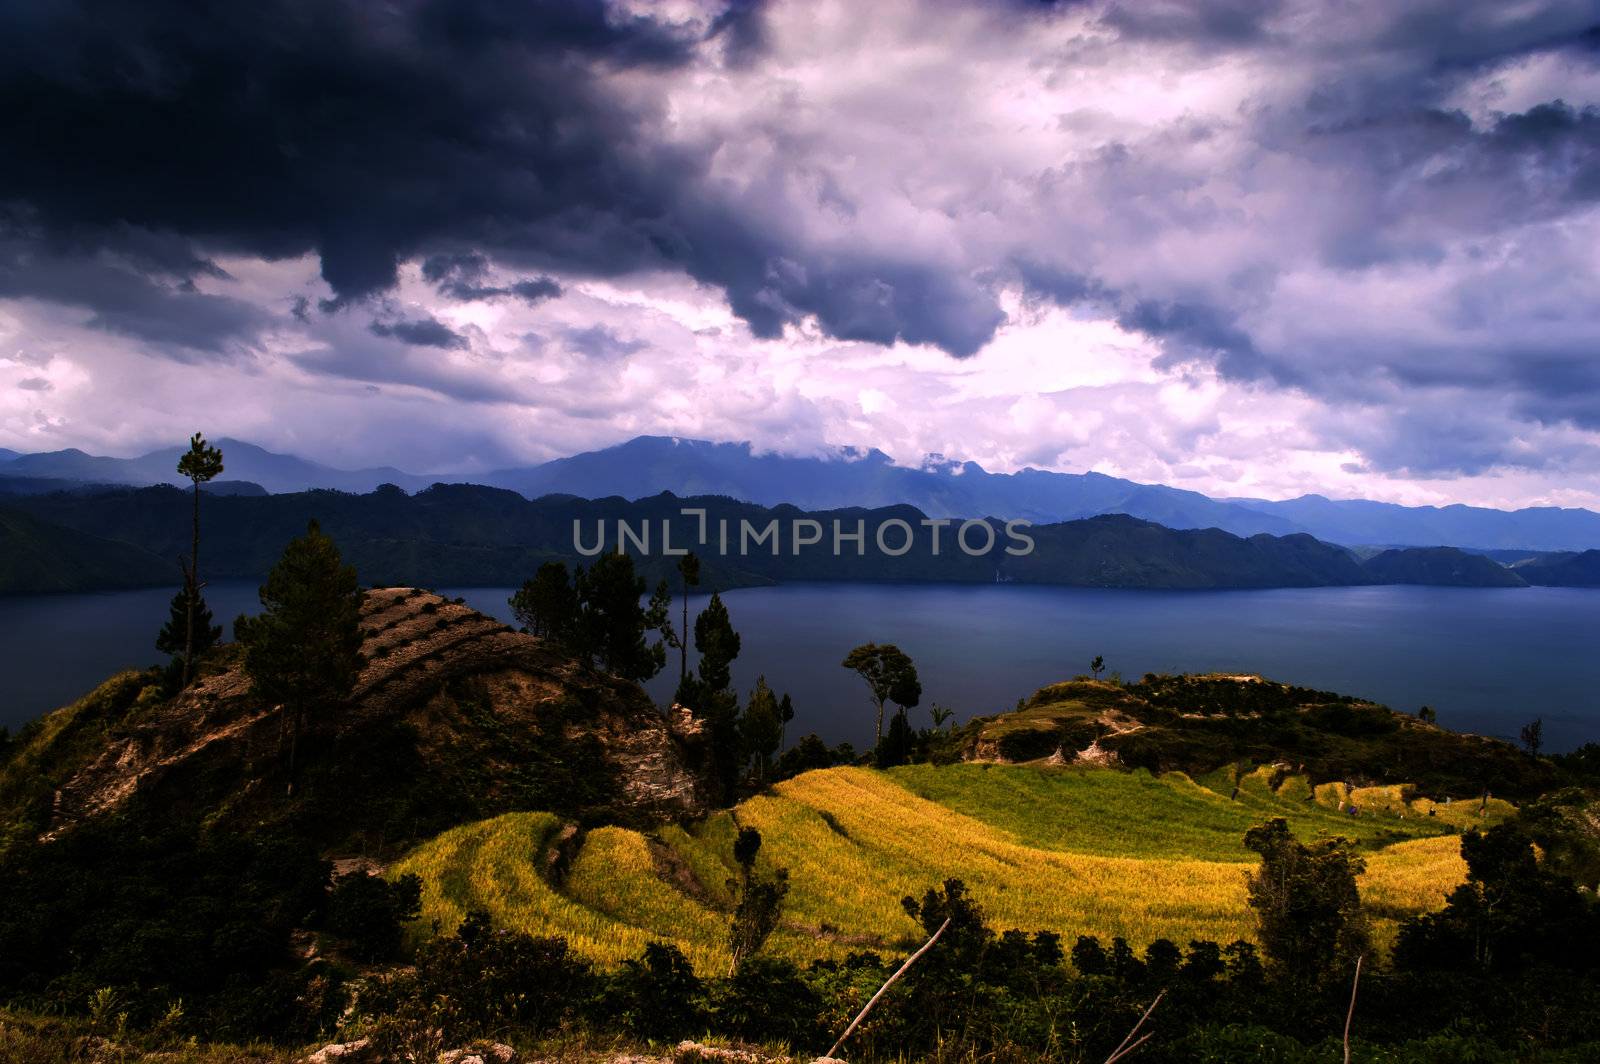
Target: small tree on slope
(304, 651)
(1308, 910)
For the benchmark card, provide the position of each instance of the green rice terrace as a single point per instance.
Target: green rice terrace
(1076, 850)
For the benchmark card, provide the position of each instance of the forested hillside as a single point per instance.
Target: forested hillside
(467, 535)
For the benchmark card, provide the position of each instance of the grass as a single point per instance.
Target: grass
(1073, 850)
(67, 1040)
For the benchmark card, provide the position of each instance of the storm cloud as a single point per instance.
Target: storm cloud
(1387, 212)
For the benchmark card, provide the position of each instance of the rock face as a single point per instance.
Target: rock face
(452, 707)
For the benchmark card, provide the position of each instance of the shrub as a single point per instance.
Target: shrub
(657, 996)
(368, 912)
(476, 983)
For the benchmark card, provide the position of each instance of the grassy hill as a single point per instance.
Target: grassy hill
(1201, 723)
(1073, 850)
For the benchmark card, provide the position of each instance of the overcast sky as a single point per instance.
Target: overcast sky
(1250, 248)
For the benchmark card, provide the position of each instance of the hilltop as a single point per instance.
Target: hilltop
(454, 716)
(1202, 724)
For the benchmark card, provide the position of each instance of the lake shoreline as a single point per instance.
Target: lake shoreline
(1487, 661)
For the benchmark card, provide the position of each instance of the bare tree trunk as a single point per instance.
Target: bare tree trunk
(294, 744)
(1351, 1014)
(191, 592)
(683, 638)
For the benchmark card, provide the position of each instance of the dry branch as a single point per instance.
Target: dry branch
(898, 972)
(1351, 1014)
(1125, 1047)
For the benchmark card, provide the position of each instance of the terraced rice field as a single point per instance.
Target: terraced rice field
(1076, 851)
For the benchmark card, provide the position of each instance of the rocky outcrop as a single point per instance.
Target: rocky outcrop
(474, 707)
(362, 1051)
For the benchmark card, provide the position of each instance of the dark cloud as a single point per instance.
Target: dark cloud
(370, 135)
(133, 287)
(600, 342)
(535, 290)
(742, 30)
(361, 132)
(35, 384)
(1217, 22)
(460, 267)
(421, 332)
(462, 276)
(1197, 330)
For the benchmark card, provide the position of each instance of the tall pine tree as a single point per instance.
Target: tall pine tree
(200, 463)
(614, 624)
(689, 570)
(710, 695)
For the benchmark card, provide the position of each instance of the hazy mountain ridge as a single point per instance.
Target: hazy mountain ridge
(1535, 528)
(277, 473)
(940, 487)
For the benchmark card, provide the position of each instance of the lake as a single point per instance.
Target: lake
(1487, 659)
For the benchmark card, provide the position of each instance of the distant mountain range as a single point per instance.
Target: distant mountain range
(939, 487)
(277, 473)
(459, 534)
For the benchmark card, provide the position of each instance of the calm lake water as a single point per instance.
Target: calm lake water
(1487, 659)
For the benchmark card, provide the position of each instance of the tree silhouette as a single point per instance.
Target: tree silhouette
(717, 644)
(1307, 906)
(304, 651)
(762, 727)
(785, 715)
(689, 570)
(612, 622)
(1097, 666)
(711, 697)
(200, 463)
(547, 605)
(760, 900)
(889, 675)
(658, 618)
(1533, 735)
(188, 629)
